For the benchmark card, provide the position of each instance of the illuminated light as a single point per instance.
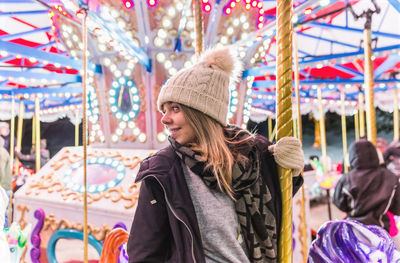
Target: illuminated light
(233, 4)
(247, 6)
(18, 56)
(308, 11)
(205, 1)
(136, 131)
(248, 1)
(261, 11)
(33, 60)
(128, 4)
(227, 11)
(260, 25)
(259, 5)
(142, 137)
(229, 31)
(171, 11)
(114, 138)
(319, 65)
(324, 2)
(167, 23)
(161, 137)
(207, 8)
(3, 53)
(152, 3)
(254, 3)
(261, 18)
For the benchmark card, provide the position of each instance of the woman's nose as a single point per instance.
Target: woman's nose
(166, 119)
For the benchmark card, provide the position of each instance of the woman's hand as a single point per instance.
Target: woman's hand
(288, 153)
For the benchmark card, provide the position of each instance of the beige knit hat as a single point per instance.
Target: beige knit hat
(205, 85)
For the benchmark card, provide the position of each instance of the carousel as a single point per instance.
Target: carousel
(102, 63)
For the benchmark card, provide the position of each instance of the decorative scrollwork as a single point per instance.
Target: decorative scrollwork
(52, 183)
(99, 233)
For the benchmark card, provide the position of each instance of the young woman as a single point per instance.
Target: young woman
(213, 194)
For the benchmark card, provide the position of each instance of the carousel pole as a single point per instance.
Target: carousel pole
(323, 144)
(83, 11)
(284, 119)
(303, 225)
(33, 130)
(76, 128)
(20, 124)
(356, 123)
(396, 115)
(369, 84)
(19, 128)
(269, 126)
(344, 130)
(12, 134)
(37, 133)
(361, 113)
(322, 127)
(198, 20)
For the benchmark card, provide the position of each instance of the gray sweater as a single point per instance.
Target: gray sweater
(218, 222)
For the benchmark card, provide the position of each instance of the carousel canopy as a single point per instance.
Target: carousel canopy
(41, 49)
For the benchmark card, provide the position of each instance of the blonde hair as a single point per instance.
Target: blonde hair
(219, 152)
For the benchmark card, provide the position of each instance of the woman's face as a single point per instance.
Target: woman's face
(175, 122)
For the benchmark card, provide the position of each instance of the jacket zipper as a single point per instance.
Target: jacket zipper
(173, 212)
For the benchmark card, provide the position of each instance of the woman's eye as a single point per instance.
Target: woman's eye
(175, 108)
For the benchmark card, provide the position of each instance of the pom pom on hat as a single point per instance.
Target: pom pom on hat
(205, 86)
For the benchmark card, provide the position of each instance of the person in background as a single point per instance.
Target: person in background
(309, 166)
(5, 174)
(44, 155)
(213, 194)
(369, 190)
(392, 157)
(5, 134)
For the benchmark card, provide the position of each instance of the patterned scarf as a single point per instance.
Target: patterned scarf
(257, 222)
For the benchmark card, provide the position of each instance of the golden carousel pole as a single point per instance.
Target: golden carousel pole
(76, 128)
(198, 20)
(84, 133)
(323, 144)
(20, 125)
(269, 126)
(344, 130)
(356, 124)
(361, 113)
(284, 122)
(37, 133)
(303, 225)
(12, 133)
(395, 115)
(369, 87)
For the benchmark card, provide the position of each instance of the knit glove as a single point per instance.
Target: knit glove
(289, 154)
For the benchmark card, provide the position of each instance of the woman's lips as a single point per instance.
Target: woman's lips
(174, 131)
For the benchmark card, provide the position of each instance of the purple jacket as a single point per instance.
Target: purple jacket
(165, 227)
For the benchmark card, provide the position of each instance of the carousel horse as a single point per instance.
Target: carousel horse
(17, 240)
(114, 248)
(351, 241)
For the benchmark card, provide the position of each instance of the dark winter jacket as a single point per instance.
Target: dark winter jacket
(368, 191)
(165, 227)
